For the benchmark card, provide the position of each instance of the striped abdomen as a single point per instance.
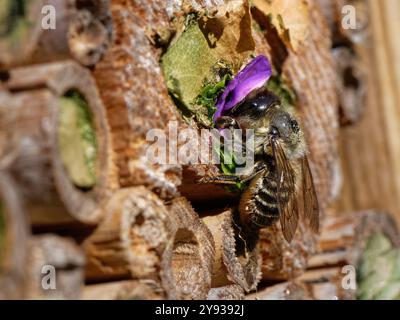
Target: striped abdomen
(259, 203)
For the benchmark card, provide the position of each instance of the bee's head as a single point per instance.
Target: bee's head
(263, 112)
(285, 128)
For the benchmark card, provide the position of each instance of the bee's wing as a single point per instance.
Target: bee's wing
(311, 207)
(288, 211)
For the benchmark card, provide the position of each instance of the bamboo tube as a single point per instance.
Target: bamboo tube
(66, 260)
(237, 257)
(130, 241)
(343, 238)
(133, 90)
(63, 161)
(123, 290)
(82, 30)
(14, 233)
(282, 291)
(229, 292)
(326, 284)
(189, 257)
(282, 260)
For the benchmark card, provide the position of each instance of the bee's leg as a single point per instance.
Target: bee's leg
(258, 167)
(226, 122)
(221, 179)
(231, 179)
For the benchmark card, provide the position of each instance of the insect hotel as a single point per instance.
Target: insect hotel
(193, 149)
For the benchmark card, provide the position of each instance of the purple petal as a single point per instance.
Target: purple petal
(252, 77)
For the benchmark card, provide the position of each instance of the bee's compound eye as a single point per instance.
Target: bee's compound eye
(274, 132)
(295, 125)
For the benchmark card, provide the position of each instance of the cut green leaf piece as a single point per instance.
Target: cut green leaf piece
(77, 140)
(208, 43)
(379, 270)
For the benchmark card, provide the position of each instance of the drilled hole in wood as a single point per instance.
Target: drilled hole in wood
(77, 140)
(349, 79)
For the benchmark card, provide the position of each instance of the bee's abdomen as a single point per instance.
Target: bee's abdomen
(259, 203)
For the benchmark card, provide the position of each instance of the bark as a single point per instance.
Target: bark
(51, 194)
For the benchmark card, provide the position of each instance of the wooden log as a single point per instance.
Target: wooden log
(188, 259)
(343, 238)
(63, 159)
(131, 240)
(82, 30)
(133, 90)
(237, 257)
(282, 260)
(123, 290)
(14, 233)
(51, 255)
(228, 292)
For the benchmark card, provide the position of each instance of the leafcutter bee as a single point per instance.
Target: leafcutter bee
(281, 174)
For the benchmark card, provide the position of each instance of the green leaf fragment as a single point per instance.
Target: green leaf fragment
(379, 270)
(77, 140)
(186, 65)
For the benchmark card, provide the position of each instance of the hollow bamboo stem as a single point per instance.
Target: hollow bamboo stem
(237, 258)
(62, 150)
(188, 258)
(130, 241)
